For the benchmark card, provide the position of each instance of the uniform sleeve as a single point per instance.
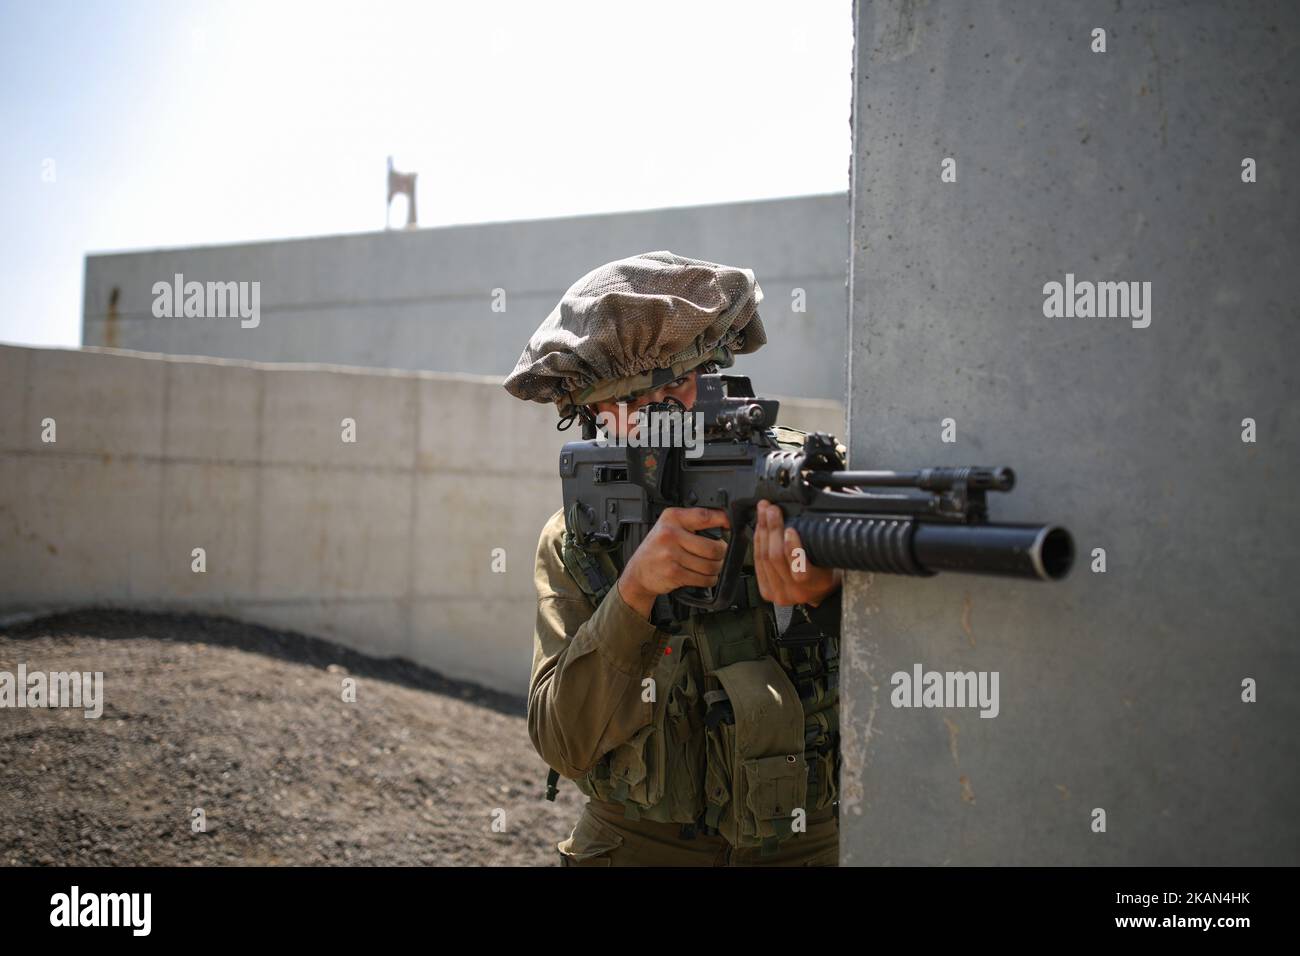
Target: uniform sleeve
(584, 697)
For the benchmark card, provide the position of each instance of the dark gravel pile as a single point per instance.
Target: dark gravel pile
(249, 724)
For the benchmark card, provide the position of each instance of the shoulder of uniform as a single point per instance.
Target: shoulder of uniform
(555, 524)
(554, 578)
(550, 552)
(553, 530)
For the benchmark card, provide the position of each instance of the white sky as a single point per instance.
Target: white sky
(194, 123)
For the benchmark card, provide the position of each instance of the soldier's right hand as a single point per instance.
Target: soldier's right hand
(673, 556)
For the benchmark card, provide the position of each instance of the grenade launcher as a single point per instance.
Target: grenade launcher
(894, 522)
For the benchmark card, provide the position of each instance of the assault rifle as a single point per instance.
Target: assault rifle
(894, 522)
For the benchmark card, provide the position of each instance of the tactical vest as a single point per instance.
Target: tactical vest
(744, 729)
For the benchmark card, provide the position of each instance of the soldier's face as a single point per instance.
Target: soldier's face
(683, 390)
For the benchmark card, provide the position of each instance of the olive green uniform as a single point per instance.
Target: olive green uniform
(648, 765)
(709, 741)
(604, 838)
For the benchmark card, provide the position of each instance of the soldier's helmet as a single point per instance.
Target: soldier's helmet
(635, 324)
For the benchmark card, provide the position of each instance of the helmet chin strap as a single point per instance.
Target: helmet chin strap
(588, 417)
(588, 422)
(582, 413)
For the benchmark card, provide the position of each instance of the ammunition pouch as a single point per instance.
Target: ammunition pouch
(658, 774)
(743, 739)
(756, 777)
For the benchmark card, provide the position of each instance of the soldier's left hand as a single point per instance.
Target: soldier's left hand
(785, 575)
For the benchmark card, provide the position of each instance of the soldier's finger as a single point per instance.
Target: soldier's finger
(780, 575)
(698, 544)
(697, 564)
(693, 579)
(796, 558)
(776, 540)
(697, 519)
(762, 569)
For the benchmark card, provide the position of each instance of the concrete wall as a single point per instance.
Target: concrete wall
(1119, 690)
(384, 545)
(424, 299)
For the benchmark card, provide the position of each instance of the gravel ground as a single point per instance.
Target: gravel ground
(248, 724)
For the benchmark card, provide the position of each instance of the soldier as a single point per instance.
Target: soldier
(732, 755)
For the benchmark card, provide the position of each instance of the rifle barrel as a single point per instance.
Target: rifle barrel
(929, 479)
(896, 545)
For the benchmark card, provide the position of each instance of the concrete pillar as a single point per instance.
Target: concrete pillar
(1118, 691)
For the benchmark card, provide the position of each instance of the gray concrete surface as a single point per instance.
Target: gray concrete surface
(424, 299)
(1119, 690)
(385, 545)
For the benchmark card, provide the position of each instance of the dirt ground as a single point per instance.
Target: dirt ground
(249, 725)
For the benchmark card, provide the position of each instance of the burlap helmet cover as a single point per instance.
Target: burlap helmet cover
(628, 318)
